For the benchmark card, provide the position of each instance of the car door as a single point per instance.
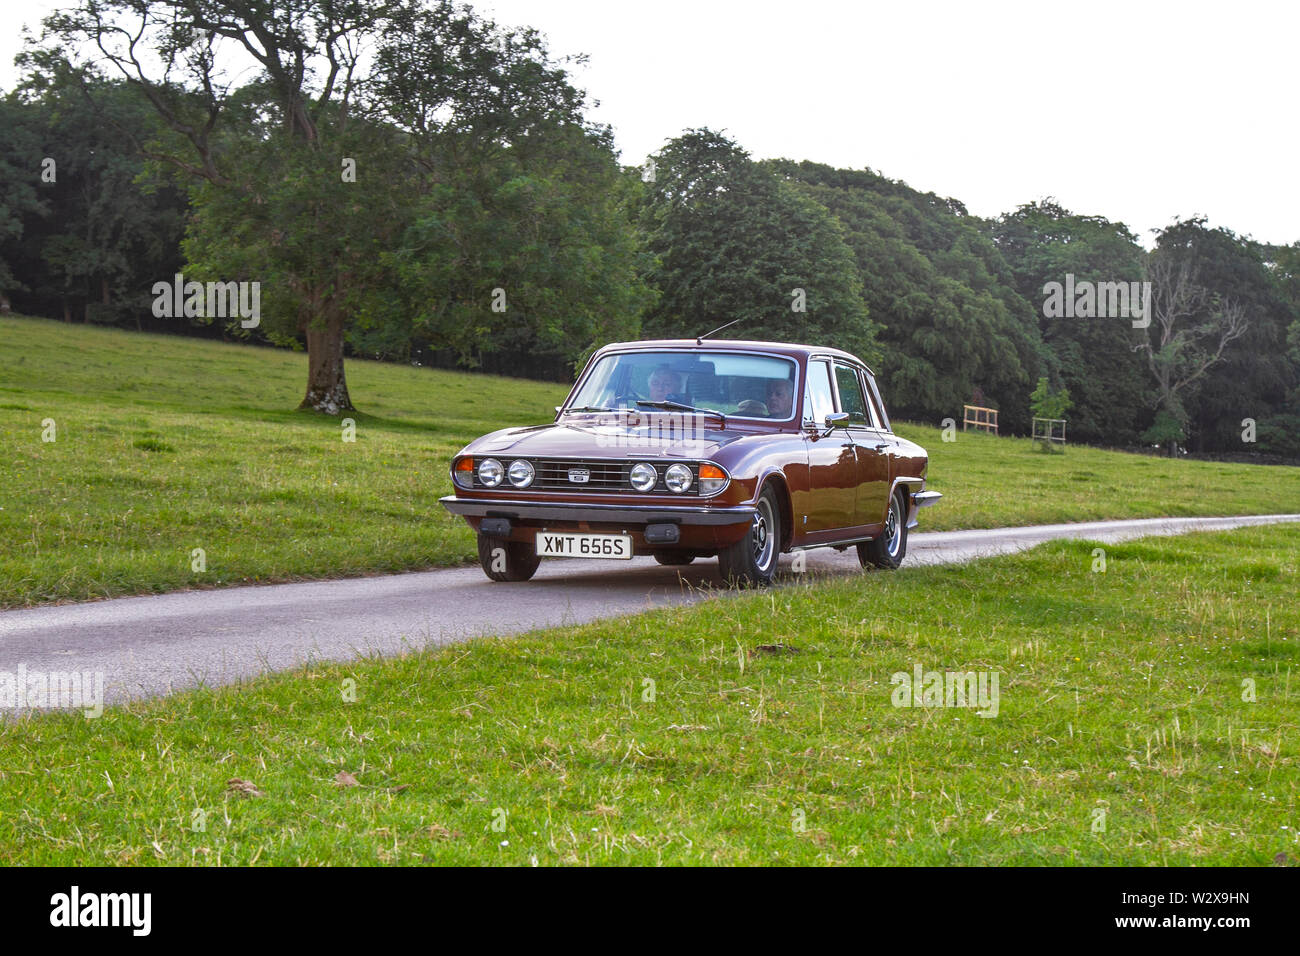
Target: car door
(830, 500)
(871, 447)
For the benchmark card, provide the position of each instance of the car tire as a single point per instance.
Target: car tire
(518, 562)
(887, 550)
(673, 558)
(752, 561)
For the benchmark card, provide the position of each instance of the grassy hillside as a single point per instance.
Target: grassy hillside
(757, 729)
(166, 445)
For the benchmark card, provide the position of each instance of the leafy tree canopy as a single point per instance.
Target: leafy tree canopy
(731, 241)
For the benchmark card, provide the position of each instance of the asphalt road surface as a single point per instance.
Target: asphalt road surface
(152, 645)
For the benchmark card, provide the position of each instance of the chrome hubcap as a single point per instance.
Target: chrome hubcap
(761, 535)
(893, 537)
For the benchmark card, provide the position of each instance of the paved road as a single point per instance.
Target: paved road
(152, 645)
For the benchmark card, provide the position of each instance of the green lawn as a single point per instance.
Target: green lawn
(989, 481)
(166, 445)
(1119, 691)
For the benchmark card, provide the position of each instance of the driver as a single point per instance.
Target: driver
(665, 384)
(780, 398)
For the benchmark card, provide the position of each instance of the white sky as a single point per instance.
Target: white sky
(1137, 111)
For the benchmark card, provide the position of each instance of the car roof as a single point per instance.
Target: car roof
(735, 345)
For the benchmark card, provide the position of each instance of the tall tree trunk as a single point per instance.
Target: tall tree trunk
(327, 387)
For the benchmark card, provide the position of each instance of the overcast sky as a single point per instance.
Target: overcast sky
(1137, 111)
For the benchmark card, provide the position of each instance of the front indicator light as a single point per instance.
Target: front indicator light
(678, 478)
(712, 479)
(643, 476)
(490, 472)
(520, 473)
(463, 473)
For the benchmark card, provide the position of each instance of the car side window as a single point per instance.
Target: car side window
(851, 398)
(874, 418)
(819, 400)
(878, 404)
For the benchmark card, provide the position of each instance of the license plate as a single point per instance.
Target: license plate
(551, 544)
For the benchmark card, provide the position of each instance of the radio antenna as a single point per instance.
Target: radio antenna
(708, 335)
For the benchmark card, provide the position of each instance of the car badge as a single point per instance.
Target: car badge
(579, 476)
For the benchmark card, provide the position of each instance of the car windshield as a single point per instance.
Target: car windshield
(736, 384)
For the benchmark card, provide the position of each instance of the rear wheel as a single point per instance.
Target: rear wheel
(504, 560)
(751, 561)
(888, 548)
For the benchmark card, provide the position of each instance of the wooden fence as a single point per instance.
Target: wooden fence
(979, 417)
(1045, 429)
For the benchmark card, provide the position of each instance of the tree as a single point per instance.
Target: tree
(524, 255)
(408, 95)
(181, 56)
(111, 229)
(1254, 376)
(21, 156)
(1190, 329)
(733, 242)
(1092, 357)
(951, 321)
(1046, 402)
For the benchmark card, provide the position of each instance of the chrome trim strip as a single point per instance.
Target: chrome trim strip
(548, 511)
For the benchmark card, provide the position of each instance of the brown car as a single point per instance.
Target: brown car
(683, 449)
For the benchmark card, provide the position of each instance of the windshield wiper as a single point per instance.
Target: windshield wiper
(587, 408)
(678, 406)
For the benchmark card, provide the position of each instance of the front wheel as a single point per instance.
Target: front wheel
(751, 561)
(504, 560)
(888, 548)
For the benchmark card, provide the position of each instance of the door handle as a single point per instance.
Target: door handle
(882, 446)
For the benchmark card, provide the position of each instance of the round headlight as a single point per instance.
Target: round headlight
(644, 476)
(490, 472)
(678, 478)
(520, 473)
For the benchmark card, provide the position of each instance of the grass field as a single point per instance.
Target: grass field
(748, 729)
(165, 445)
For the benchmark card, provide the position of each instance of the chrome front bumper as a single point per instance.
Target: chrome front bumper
(921, 499)
(632, 514)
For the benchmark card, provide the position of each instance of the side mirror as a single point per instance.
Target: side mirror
(837, 420)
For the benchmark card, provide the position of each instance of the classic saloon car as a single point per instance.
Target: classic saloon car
(683, 449)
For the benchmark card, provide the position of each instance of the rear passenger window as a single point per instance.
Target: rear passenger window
(878, 406)
(851, 399)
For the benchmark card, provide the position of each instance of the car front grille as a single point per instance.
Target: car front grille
(604, 477)
(553, 475)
